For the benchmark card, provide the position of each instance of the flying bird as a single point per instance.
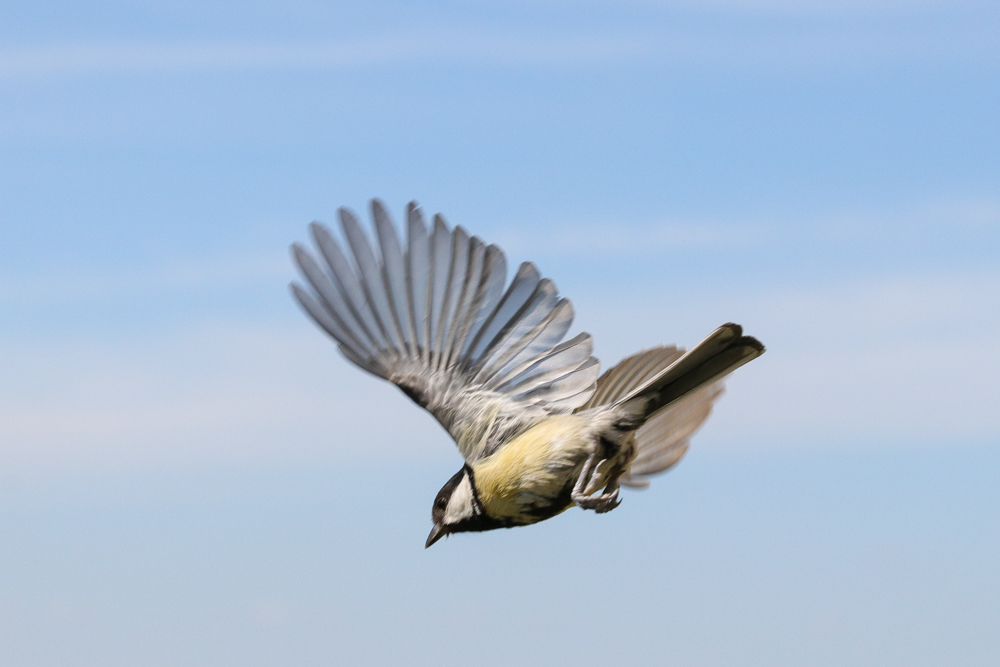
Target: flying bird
(541, 430)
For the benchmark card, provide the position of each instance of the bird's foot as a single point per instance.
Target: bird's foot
(599, 502)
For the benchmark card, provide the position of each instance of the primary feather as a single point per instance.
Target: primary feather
(435, 319)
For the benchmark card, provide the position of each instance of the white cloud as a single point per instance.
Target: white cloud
(721, 46)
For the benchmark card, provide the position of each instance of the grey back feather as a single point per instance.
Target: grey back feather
(666, 435)
(435, 319)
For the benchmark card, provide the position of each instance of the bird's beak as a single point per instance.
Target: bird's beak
(437, 532)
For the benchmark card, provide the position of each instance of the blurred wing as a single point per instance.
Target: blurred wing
(436, 320)
(665, 437)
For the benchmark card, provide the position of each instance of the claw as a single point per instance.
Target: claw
(600, 502)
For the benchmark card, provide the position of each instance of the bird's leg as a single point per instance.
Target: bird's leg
(583, 481)
(599, 502)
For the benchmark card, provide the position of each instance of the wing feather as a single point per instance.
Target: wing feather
(454, 285)
(324, 318)
(365, 363)
(346, 282)
(341, 324)
(394, 275)
(371, 278)
(552, 364)
(570, 403)
(436, 320)
(487, 296)
(633, 372)
(463, 318)
(546, 334)
(664, 439)
(418, 261)
(520, 290)
(570, 382)
(440, 269)
(521, 329)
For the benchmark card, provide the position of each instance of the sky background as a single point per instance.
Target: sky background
(191, 475)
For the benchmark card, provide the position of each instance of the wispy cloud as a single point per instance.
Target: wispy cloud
(784, 49)
(189, 394)
(966, 223)
(215, 273)
(787, 6)
(963, 219)
(185, 57)
(617, 239)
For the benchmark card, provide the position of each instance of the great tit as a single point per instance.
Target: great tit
(540, 429)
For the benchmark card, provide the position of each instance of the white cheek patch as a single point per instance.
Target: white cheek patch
(460, 505)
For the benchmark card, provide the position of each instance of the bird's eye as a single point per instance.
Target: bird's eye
(440, 503)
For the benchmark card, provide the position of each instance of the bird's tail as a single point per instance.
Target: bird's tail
(725, 350)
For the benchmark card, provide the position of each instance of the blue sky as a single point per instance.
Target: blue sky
(189, 474)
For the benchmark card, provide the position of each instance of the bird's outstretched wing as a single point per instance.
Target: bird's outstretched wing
(435, 320)
(665, 437)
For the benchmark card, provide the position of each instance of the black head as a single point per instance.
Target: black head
(458, 508)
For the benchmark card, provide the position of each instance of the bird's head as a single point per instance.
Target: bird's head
(458, 508)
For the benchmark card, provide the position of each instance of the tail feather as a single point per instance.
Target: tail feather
(665, 437)
(725, 350)
(630, 373)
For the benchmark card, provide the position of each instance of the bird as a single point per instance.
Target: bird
(540, 428)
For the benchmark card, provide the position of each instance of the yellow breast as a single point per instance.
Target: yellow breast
(533, 468)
